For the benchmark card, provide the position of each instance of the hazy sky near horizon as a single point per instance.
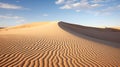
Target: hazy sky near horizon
(82, 12)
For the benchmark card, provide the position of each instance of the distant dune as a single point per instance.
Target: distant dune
(117, 27)
(59, 45)
(1, 27)
(28, 25)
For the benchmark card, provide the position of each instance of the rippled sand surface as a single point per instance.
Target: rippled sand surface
(58, 45)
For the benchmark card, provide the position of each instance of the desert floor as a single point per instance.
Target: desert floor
(60, 44)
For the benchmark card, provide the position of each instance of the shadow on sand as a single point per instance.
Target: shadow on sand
(107, 36)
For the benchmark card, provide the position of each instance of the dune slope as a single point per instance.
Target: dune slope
(108, 34)
(52, 45)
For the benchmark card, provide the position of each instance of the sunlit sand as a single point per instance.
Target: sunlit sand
(53, 44)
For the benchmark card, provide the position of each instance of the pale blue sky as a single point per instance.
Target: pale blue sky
(82, 12)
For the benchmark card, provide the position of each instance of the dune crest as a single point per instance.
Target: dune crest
(108, 34)
(54, 45)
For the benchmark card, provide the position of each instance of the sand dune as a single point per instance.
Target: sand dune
(108, 34)
(117, 27)
(58, 45)
(1, 27)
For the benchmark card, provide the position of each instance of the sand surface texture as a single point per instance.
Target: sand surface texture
(58, 45)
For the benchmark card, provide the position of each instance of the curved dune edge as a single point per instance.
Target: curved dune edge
(49, 45)
(29, 25)
(108, 34)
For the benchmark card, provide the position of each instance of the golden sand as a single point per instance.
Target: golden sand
(56, 45)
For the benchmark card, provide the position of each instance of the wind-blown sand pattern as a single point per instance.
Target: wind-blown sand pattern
(57, 45)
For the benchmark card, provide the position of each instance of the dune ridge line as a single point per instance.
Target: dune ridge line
(54, 45)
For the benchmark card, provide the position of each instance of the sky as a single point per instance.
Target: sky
(82, 12)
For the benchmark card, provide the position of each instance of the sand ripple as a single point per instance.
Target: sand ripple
(53, 45)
